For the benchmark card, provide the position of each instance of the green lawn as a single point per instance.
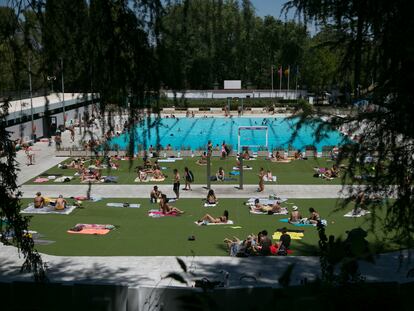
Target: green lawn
(295, 172)
(141, 235)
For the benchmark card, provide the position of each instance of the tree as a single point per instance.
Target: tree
(376, 47)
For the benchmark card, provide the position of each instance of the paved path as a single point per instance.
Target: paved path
(222, 191)
(44, 159)
(149, 271)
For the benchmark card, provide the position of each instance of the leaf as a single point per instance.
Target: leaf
(177, 277)
(182, 264)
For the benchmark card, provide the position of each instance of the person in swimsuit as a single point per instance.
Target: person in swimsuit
(211, 197)
(165, 208)
(155, 195)
(258, 207)
(39, 201)
(314, 217)
(176, 183)
(60, 203)
(295, 215)
(210, 219)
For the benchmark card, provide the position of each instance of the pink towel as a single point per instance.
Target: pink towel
(160, 214)
(40, 180)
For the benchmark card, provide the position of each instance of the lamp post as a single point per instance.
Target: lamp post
(51, 79)
(31, 100)
(63, 94)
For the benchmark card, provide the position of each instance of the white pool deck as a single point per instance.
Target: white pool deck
(150, 271)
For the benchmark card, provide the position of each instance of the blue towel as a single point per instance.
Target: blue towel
(323, 221)
(297, 225)
(234, 173)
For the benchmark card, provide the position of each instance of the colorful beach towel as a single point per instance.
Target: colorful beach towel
(126, 204)
(47, 210)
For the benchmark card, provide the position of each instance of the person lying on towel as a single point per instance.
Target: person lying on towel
(165, 208)
(258, 207)
(210, 219)
(60, 203)
(39, 201)
(295, 216)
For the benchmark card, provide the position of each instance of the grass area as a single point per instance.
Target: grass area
(295, 172)
(141, 235)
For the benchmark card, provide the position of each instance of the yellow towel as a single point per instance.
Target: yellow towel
(293, 235)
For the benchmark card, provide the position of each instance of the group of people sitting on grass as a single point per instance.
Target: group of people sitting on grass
(41, 202)
(327, 173)
(150, 170)
(274, 208)
(259, 245)
(296, 217)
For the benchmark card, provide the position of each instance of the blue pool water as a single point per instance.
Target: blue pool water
(196, 132)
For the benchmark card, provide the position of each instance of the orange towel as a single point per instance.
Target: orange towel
(90, 231)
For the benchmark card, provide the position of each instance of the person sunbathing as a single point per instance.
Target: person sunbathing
(274, 208)
(142, 174)
(165, 208)
(298, 155)
(155, 195)
(314, 217)
(295, 216)
(220, 175)
(207, 218)
(60, 203)
(203, 159)
(211, 197)
(157, 174)
(246, 155)
(39, 201)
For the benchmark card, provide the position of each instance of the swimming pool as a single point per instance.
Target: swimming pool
(194, 133)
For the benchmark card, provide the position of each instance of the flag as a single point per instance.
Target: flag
(297, 72)
(280, 71)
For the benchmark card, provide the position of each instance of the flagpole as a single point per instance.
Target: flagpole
(296, 78)
(280, 78)
(271, 70)
(288, 77)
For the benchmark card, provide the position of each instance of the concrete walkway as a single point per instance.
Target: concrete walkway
(222, 191)
(150, 271)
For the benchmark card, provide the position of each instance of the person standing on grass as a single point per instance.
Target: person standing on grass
(189, 178)
(261, 179)
(176, 183)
